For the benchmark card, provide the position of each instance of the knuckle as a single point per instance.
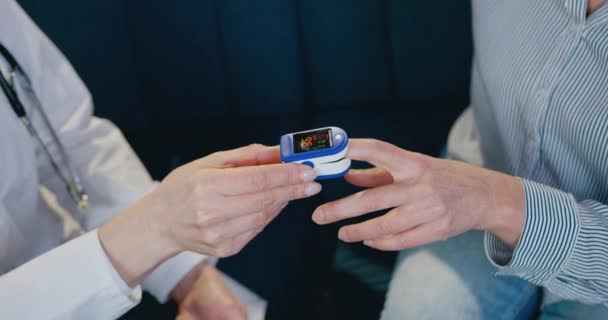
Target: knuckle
(441, 207)
(218, 156)
(211, 237)
(369, 200)
(199, 189)
(233, 248)
(201, 219)
(393, 154)
(261, 218)
(223, 252)
(436, 205)
(293, 175)
(427, 188)
(259, 229)
(384, 226)
(296, 192)
(403, 242)
(258, 181)
(376, 144)
(202, 182)
(265, 199)
(424, 162)
(236, 249)
(444, 229)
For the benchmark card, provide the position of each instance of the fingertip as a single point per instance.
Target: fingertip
(344, 235)
(318, 216)
(312, 189)
(307, 174)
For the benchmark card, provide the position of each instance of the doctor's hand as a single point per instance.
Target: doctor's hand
(213, 206)
(217, 204)
(202, 295)
(431, 199)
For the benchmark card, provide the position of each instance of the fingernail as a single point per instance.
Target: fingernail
(343, 235)
(308, 174)
(368, 243)
(312, 189)
(318, 216)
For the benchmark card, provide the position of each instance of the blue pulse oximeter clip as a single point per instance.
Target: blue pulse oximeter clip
(323, 149)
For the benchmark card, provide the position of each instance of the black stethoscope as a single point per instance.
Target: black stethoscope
(14, 82)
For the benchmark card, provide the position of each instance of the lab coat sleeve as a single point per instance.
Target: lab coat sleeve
(111, 173)
(73, 281)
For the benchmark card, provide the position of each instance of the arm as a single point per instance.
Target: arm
(214, 211)
(74, 281)
(111, 172)
(212, 205)
(560, 243)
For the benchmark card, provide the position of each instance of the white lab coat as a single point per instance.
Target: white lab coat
(41, 276)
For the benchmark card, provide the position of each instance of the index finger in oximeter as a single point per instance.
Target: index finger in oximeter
(324, 149)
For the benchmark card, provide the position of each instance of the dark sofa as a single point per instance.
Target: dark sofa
(187, 78)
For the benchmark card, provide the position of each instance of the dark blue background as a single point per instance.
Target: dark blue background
(186, 78)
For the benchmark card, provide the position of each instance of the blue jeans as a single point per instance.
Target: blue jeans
(454, 280)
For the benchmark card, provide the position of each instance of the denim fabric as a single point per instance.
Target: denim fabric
(453, 280)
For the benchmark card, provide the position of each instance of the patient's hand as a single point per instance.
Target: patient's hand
(433, 199)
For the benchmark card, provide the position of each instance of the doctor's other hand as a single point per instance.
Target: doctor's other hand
(213, 206)
(203, 295)
(431, 199)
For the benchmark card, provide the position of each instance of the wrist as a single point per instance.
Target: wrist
(134, 244)
(507, 217)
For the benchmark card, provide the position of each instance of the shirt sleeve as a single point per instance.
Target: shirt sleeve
(111, 172)
(73, 281)
(161, 282)
(563, 246)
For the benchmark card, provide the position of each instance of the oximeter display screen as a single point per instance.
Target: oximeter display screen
(312, 140)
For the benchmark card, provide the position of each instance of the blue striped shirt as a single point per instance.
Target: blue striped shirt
(539, 100)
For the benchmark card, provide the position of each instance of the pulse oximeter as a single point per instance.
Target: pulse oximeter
(323, 149)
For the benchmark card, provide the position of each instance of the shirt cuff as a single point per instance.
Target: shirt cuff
(73, 281)
(165, 277)
(134, 294)
(548, 238)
